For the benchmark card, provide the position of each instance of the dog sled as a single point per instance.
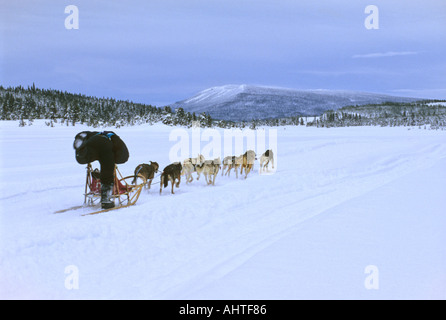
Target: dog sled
(125, 193)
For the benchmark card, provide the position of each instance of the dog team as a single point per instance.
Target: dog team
(199, 165)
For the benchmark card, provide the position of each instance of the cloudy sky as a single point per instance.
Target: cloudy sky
(162, 51)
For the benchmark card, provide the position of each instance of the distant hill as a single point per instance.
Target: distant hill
(246, 102)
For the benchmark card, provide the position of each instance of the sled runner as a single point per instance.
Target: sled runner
(124, 195)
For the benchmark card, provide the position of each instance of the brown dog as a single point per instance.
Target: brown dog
(147, 171)
(172, 172)
(248, 162)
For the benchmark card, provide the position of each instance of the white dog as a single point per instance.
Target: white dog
(231, 162)
(210, 170)
(265, 159)
(189, 167)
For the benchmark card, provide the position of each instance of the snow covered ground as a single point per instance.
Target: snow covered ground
(342, 200)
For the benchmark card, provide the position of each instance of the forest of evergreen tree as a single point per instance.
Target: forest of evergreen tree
(60, 107)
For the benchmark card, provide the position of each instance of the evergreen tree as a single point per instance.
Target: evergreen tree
(26, 104)
(209, 120)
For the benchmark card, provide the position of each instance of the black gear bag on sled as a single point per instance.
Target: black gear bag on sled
(90, 145)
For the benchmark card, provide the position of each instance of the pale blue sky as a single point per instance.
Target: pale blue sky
(162, 51)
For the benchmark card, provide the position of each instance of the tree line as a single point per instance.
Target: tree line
(61, 107)
(424, 113)
(64, 108)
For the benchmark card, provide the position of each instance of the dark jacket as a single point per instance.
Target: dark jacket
(92, 145)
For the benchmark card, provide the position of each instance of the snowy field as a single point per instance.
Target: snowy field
(342, 201)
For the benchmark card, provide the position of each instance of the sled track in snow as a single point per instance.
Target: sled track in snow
(171, 246)
(21, 194)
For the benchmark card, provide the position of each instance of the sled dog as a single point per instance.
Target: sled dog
(248, 162)
(171, 173)
(147, 171)
(189, 167)
(231, 162)
(265, 159)
(210, 170)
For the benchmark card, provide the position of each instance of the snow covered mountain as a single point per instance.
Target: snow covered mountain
(247, 102)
